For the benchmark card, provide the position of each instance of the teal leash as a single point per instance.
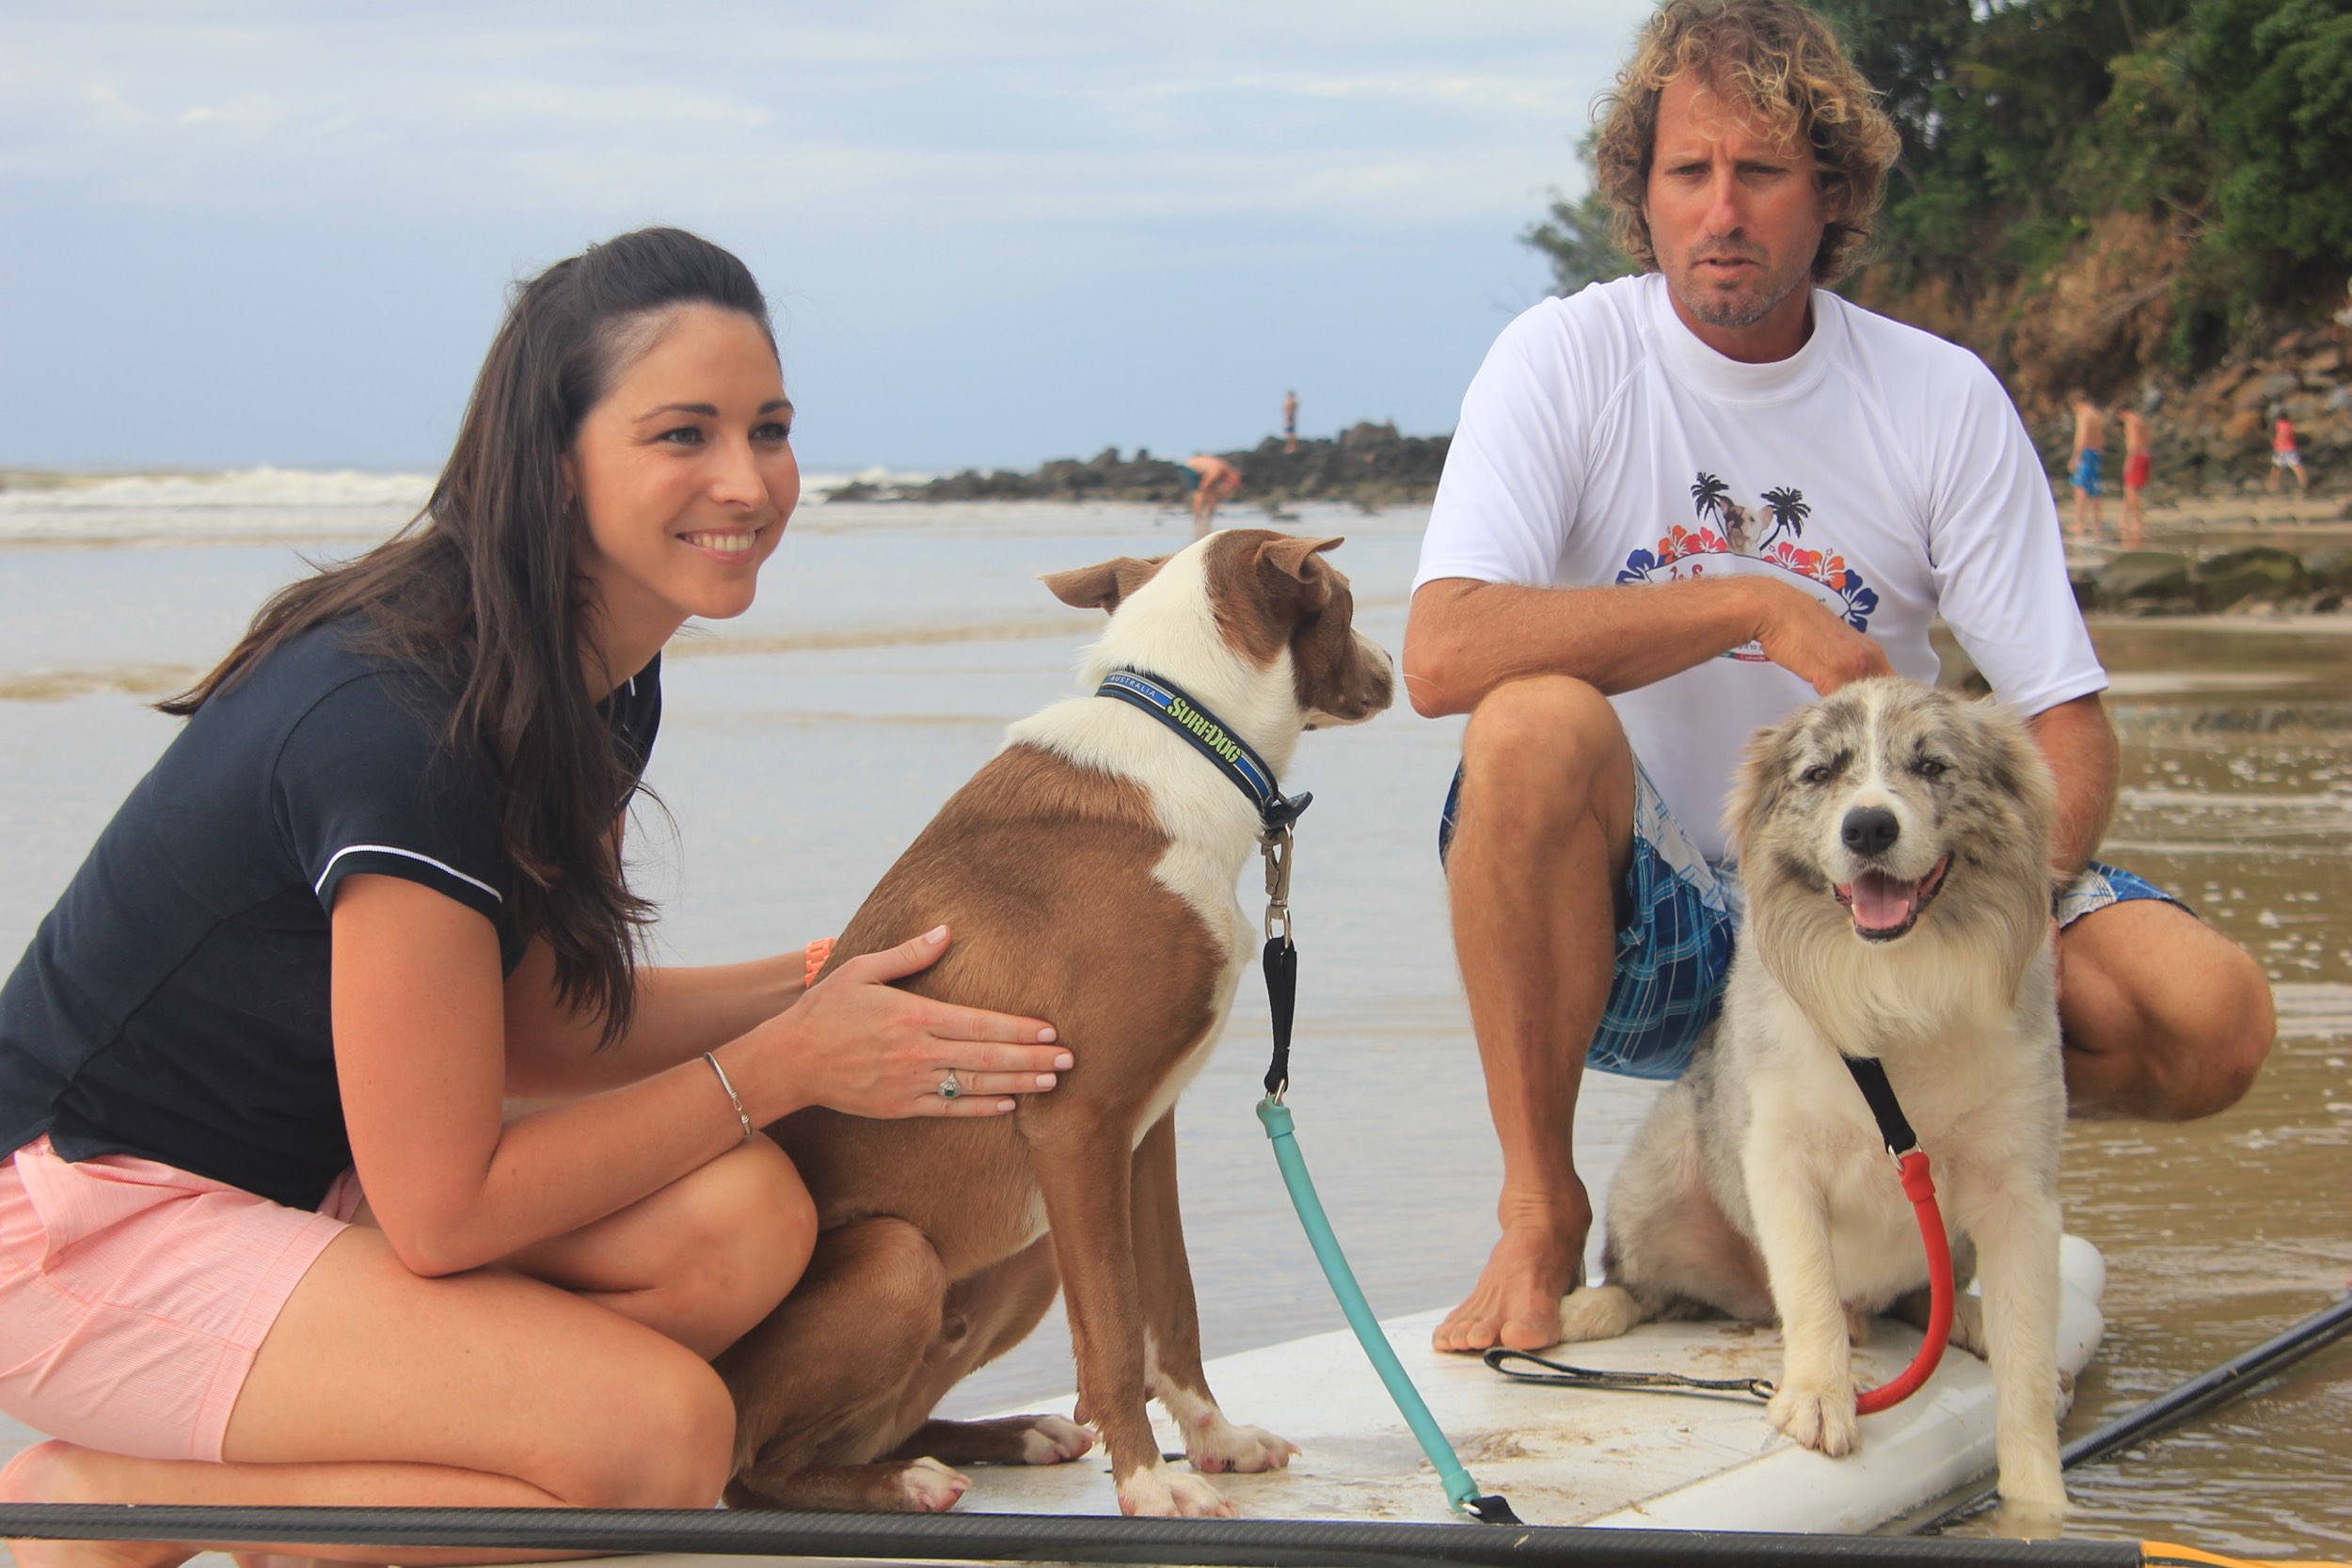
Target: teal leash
(1281, 979)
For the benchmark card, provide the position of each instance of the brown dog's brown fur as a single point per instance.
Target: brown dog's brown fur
(940, 1236)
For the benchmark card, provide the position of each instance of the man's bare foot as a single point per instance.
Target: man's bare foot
(1516, 1299)
(52, 1472)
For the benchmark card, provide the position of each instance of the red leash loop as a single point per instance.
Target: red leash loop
(1920, 1187)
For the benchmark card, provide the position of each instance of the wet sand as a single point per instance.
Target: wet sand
(806, 744)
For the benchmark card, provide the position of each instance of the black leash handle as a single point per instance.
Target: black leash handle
(1563, 1375)
(1281, 962)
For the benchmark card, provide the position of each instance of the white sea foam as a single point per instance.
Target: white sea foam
(252, 503)
(237, 504)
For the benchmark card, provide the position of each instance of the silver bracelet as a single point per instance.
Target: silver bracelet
(733, 1098)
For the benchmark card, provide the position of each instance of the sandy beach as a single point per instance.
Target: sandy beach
(806, 744)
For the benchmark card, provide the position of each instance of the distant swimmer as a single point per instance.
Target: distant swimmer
(2090, 439)
(1211, 479)
(1289, 421)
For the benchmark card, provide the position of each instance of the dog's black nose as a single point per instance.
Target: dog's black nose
(1869, 830)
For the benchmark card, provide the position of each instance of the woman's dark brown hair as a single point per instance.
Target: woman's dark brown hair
(482, 589)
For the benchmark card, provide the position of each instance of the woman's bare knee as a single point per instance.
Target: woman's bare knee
(736, 1242)
(669, 1443)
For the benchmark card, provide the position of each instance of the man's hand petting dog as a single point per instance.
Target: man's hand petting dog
(860, 1045)
(1801, 636)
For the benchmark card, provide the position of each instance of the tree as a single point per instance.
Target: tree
(1575, 234)
(2277, 77)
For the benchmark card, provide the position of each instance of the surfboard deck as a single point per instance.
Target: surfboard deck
(1566, 1456)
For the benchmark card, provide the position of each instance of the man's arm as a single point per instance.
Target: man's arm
(2079, 744)
(1464, 638)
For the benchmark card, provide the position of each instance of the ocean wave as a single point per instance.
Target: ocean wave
(263, 502)
(237, 503)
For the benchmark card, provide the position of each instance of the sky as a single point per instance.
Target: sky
(250, 234)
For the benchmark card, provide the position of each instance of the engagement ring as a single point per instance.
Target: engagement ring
(948, 1087)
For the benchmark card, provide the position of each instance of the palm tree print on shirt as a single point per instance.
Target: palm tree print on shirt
(1685, 553)
(1785, 507)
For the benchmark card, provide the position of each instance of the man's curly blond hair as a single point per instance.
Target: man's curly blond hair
(1783, 62)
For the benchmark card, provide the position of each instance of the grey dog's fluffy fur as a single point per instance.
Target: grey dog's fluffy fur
(1760, 1187)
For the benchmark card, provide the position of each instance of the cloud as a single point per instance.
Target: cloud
(1011, 113)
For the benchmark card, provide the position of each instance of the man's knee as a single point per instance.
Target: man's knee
(2180, 1017)
(1552, 729)
(2240, 1026)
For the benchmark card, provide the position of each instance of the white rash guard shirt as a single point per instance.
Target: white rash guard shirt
(1879, 468)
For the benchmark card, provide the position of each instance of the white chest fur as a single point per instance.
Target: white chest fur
(1169, 630)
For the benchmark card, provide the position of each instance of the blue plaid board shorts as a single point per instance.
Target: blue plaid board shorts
(1674, 951)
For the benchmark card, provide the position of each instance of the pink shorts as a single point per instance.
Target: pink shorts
(132, 1296)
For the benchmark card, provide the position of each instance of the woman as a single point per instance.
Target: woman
(373, 891)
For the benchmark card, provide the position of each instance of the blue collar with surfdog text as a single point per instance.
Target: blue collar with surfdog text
(1212, 738)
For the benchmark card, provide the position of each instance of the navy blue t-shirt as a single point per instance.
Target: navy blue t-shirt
(175, 1003)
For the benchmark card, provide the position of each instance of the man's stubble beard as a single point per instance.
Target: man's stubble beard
(1740, 309)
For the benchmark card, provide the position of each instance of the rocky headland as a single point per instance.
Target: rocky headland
(1367, 465)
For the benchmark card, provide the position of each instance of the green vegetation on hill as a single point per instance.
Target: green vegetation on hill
(2095, 191)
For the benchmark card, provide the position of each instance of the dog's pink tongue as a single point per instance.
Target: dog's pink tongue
(1879, 902)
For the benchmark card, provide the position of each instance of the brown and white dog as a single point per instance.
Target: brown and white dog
(1895, 846)
(1089, 871)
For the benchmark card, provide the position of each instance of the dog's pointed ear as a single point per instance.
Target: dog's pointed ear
(1755, 784)
(1104, 585)
(1289, 556)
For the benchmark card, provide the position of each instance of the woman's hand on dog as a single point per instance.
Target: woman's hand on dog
(857, 1044)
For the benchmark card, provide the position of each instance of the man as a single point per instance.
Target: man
(1676, 507)
(1290, 421)
(2138, 458)
(2082, 470)
(1212, 480)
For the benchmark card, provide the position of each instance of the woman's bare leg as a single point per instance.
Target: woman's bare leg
(485, 1387)
(701, 1262)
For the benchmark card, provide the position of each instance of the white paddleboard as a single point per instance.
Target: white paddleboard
(1566, 1456)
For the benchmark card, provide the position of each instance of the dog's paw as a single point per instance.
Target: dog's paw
(927, 1487)
(1816, 1418)
(1160, 1493)
(1219, 1445)
(1597, 1312)
(2033, 1499)
(1052, 1440)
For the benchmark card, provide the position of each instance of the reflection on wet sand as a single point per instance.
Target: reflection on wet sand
(2237, 794)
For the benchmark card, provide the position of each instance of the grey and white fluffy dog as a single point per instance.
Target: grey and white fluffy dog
(1895, 845)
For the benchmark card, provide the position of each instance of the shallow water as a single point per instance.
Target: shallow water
(806, 743)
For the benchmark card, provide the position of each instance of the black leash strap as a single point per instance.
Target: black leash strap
(1870, 1078)
(1281, 958)
(1560, 1374)
(1280, 961)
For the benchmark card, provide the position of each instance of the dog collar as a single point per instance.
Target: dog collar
(1212, 738)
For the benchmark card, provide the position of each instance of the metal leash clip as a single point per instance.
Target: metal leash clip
(1275, 847)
